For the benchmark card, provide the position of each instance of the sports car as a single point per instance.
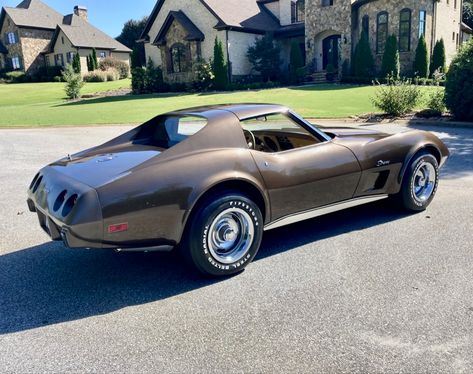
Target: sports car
(209, 181)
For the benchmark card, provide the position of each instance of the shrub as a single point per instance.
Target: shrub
(112, 74)
(76, 63)
(438, 62)
(363, 62)
(94, 64)
(154, 80)
(398, 97)
(220, 69)
(121, 66)
(204, 76)
(459, 86)
(138, 80)
(296, 73)
(436, 101)
(421, 61)
(96, 76)
(73, 81)
(16, 77)
(264, 55)
(391, 65)
(58, 79)
(47, 73)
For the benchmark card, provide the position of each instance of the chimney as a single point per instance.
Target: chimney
(81, 11)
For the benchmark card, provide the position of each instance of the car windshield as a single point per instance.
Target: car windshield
(166, 132)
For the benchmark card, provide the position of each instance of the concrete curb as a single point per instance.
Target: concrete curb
(399, 122)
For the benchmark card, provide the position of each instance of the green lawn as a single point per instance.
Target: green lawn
(44, 104)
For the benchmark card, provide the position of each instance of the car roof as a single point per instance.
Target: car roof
(242, 111)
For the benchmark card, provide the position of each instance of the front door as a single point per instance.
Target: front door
(331, 52)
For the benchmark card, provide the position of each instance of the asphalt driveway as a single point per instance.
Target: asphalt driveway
(370, 289)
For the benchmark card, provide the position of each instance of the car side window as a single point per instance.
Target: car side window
(276, 133)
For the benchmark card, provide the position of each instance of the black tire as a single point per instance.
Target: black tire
(407, 196)
(198, 245)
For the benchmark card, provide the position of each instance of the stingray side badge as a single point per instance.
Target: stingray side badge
(382, 163)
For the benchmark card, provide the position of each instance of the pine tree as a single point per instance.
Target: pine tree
(438, 58)
(265, 56)
(95, 63)
(89, 63)
(421, 61)
(220, 69)
(76, 63)
(363, 62)
(296, 62)
(391, 64)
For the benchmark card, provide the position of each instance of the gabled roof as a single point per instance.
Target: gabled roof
(242, 15)
(34, 14)
(82, 34)
(193, 32)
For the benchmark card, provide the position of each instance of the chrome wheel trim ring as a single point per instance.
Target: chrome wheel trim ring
(424, 181)
(230, 235)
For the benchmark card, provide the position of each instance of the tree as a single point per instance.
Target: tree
(459, 86)
(438, 58)
(73, 81)
(94, 61)
(391, 65)
(220, 69)
(296, 63)
(421, 61)
(89, 63)
(363, 62)
(131, 32)
(264, 55)
(76, 63)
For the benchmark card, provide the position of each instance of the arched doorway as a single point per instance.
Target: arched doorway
(331, 51)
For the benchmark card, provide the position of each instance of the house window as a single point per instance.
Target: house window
(62, 39)
(11, 38)
(422, 22)
(405, 30)
(70, 57)
(178, 58)
(327, 2)
(103, 54)
(365, 25)
(59, 59)
(381, 31)
(15, 63)
(300, 11)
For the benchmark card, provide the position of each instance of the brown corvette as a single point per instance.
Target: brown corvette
(209, 181)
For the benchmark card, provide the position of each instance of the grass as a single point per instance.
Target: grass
(44, 104)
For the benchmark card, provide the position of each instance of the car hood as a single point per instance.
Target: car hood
(97, 170)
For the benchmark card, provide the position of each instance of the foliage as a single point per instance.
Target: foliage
(391, 65)
(15, 77)
(220, 69)
(204, 76)
(112, 74)
(73, 81)
(47, 73)
(121, 66)
(397, 97)
(459, 87)
(421, 60)
(296, 73)
(264, 55)
(96, 76)
(363, 62)
(148, 80)
(94, 64)
(131, 32)
(436, 102)
(90, 66)
(138, 80)
(438, 62)
(76, 63)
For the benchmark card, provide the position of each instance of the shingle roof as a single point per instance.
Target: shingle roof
(193, 32)
(246, 15)
(34, 14)
(83, 35)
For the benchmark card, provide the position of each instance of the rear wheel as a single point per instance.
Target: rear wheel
(223, 235)
(420, 182)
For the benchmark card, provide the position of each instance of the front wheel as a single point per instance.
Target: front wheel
(224, 235)
(420, 182)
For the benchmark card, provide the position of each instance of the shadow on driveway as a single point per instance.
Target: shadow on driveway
(49, 284)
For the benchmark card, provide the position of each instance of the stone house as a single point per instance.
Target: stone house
(179, 33)
(35, 35)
